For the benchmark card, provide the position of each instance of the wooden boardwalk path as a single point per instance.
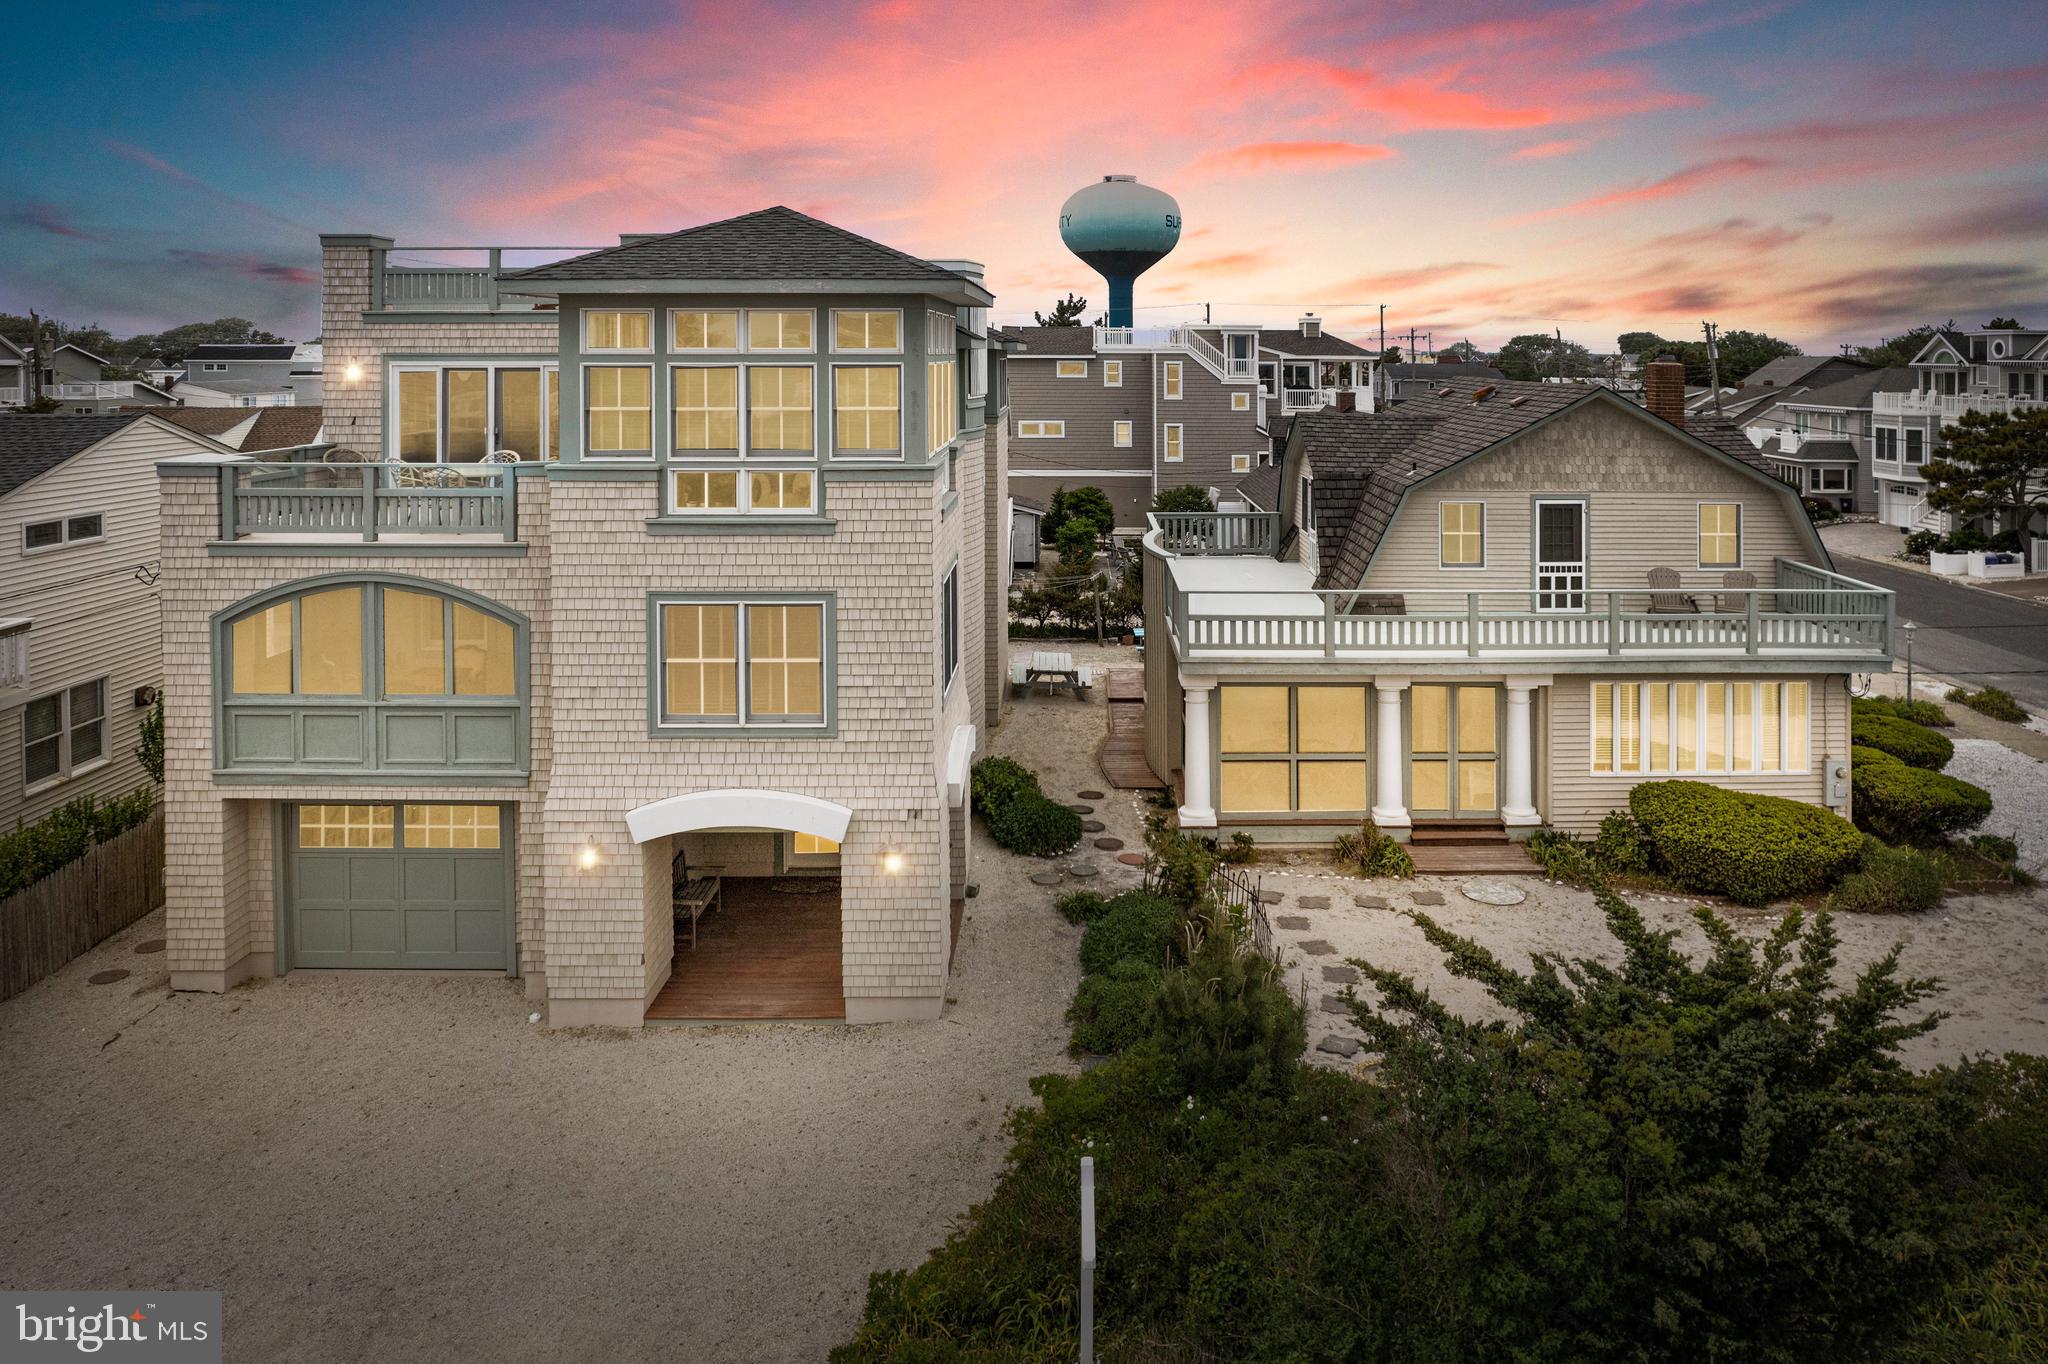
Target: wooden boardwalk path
(1123, 751)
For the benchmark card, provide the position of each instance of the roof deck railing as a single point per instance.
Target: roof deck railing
(1215, 532)
(303, 500)
(448, 287)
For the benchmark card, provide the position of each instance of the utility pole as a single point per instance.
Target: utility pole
(1205, 314)
(1713, 366)
(1557, 352)
(1382, 362)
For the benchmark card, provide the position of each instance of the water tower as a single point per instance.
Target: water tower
(1122, 229)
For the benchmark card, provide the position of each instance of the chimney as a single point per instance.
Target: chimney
(1347, 400)
(1664, 389)
(1311, 325)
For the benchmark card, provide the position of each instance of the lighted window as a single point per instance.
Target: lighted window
(780, 490)
(452, 826)
(1240, 402)
(1043, 430)
(1070, 369)
(867, 409)
(419, 415)
(327, 659)
(785, 663)
(519, 427)
(627, 329)
(619, 411)
(758, 664)
(704, 329)
(703, 490)
(1462, 532)
(707, 408)
(1120, 434)
(1172, 453)
(942, 411)
(345, 826)
(1292, 749)
(1707, 728)
(700, 662)
(1720, 535)
(1240, 464)
(1112, 373)
(811, 845)
(780, 409)
(775, 329)
(857, 330)
(1172, 378)
(460, 413)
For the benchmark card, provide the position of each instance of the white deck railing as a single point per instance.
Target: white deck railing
(1947, 406)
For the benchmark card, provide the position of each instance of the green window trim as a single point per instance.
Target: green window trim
(392, 736)
(660, 727)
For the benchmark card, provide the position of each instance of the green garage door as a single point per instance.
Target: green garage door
(409, 886)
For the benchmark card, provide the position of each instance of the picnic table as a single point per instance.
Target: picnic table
(1051, 667)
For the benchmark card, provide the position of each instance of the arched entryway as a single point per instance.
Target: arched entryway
(754, 897)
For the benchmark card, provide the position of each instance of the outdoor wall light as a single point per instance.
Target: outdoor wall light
(892, 862)
(352, 372)
(586, 857)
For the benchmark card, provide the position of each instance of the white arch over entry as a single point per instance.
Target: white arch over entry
(738, 808)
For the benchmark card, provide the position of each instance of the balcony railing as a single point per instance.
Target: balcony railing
(106, 388)
(10, 396)
(1948, 406)
(471, 287)
(309, 501)
(1809, 611)
(14, 634)
(1224, 532)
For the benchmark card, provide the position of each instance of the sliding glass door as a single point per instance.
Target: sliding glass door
(1453, 751)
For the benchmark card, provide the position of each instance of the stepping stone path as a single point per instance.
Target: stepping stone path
(1313, 901)
(1339, 1046)
(1045, 878)
(1493, 893)
(1269, 897)
(1293, 923)
(1084, 870)
(106, 977)
(153, 945)
(1089, 795)
(1341, 975)
(1427, 897)
(1131, 859)
(1109, 844)
(1082, 809)
(1092, 826)
(1334, 1004)
(1317, 947)
(1371, 902)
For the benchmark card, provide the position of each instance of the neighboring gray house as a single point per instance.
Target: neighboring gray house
(714, 644)
(1773, 383)
(14, 363)
(80, 652)
(252, 375)
(1955, 372)
(1412, 379)
(76, 378)
(1819, 440)
(1445, 623)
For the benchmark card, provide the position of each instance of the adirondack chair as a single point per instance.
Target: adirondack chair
(1665, 597)
(1726, 602)
(692, 894)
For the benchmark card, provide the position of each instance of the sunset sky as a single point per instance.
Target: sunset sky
(1824, 172)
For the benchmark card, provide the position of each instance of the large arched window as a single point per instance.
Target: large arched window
(375, 673)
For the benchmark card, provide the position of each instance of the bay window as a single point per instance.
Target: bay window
(780, 410)
(618, 408)
(1700, 728)
(867, 411)
(707, 408)
(867, 330)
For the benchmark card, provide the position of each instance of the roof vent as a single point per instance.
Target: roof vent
(1518, 400)
(635, 238)
(1121, 179)
(1480, 395)
(1443, 393)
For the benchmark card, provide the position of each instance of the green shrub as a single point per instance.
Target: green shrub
(1181, 865)
(1135, 927)
(1113, 1010)
(1923, 542)
(1914, 745)
(1373, 852)
(1182, 499)
(1919, 712)
(1902, 804)
(1241, 850)
(63, 836)
(1037, 827)
(1997, 847)
(1620, 845)
(1889, 881)
(996, 782)
(1227, 1020)
(1564, 857)
(1751, 848)
(1991, 701)
(1081, 907)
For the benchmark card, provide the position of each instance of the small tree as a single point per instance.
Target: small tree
(1185, 499)
(1065, 313)
(1992, 465)
(150, 750)
(1092, 505)
(1055, 516)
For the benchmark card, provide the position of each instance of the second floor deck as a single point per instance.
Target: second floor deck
(1227, 599)
(306, 500)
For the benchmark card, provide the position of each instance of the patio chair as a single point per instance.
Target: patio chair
(1665, 597)
(1726, 602)
(692, 895)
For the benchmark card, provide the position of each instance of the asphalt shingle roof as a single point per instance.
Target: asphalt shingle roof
(1450, 369)
(281, 428)
(1060, 341)
(773, 243)
(1856, 391)
(283, 351)
(1424, 436)
(1290, 342)
(207, 421)
(34, 444)
(1346, 452)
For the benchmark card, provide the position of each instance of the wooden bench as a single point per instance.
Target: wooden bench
(694, 897)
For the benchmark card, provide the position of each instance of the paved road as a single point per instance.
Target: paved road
(1965, 633)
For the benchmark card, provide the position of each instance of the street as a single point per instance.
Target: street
(1973, 636)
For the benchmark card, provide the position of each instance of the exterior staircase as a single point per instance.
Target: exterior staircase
(1454, 847)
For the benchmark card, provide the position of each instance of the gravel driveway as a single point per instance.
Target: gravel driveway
(401, 1166)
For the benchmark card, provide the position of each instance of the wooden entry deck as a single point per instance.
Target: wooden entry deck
(1454, 848)
(1123, 751)
(762, 955)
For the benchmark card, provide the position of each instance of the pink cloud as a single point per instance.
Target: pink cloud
(1266, 156)
(250, 267)
(1540, 151)
(1685, 181)
(1395, 281)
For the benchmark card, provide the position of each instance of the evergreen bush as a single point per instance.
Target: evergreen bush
(996, 782)
(1037, 827)
(1135, 927)
(65, 834)
(1991, 701)
(1751, 848)
(1914, 745)
(1620, 846)
(1890, 881)
(1919, 712)
(1903, 804)
(1113, 1009)
(1081, 907)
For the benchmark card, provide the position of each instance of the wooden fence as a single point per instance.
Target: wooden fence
(81, 905)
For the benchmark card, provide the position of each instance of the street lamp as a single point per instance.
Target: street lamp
(1907, 629)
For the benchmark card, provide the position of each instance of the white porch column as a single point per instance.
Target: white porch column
(1389, 808)
(1518, 754)
(1196, 761)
